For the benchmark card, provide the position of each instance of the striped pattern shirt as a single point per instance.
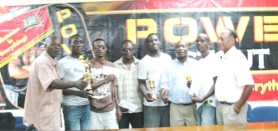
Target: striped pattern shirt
(128, 84)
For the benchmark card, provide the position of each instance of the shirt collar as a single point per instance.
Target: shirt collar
(177, 61)
(120, 61)
(229, 53)
(53, 61)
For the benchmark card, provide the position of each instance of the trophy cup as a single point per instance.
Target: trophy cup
(151, 84)
(88, 74)
(188, 79)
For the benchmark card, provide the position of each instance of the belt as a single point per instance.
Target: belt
(225, 102)
(187, 104)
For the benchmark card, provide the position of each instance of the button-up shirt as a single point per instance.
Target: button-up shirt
(234, 74)
(128, 84)
(178, 89)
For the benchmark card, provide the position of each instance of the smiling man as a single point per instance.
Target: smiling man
(182, 108)
(75, 104)
(44, 94)
(151, 71)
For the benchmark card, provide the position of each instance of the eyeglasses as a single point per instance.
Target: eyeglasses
(128, 49)
(100, 47)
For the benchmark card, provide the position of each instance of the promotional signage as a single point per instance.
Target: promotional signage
(23, 27)
(22, 32)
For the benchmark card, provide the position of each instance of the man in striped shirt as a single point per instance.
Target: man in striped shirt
(128, 87)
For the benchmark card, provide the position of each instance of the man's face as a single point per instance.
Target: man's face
(202, 44)
(153, 43)
(181, 49)
(54, 48)
(128, 50)
(100, 48)
(225, 41)
(77, 45)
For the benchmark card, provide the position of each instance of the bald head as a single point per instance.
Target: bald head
(203, 43)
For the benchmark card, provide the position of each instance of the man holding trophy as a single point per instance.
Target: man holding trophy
(75, 104)
(182, 109)
(153, 84)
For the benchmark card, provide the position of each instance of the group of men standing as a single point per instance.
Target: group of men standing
(165, 92)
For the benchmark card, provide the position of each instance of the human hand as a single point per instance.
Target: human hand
(164, 95)
(236, 108)
(196, 98)
(118, 113)
(81, 84)
(85, 94)
(110, 77)
(149, 97)
(188, 84)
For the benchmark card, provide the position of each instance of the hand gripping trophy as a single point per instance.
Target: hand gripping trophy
(151, 85)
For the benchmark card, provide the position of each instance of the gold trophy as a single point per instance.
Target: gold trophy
(188, 79)
(88, 74)
(151, 84)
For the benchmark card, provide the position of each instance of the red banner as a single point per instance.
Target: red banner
(266, 86)
(23, 32)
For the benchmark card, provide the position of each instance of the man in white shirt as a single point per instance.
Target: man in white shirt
(182, 108)
(204, 82)
(155, 89)
(75, 104)
(234, 82)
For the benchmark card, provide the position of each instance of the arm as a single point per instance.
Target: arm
(243, 98)
(61, 84)
(109, 78)
(80, 93)
(116, 99)
(143, 89)
(16, 71)
(210, 92)
(164, 87)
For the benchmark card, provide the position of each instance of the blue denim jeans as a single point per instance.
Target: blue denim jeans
(206, 115)
(135, 119)
(77, 117)
(156, 116)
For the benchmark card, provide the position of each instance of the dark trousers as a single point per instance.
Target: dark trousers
(135, 119)
(7, 121)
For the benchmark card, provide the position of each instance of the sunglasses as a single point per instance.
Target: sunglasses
(128, 49)
(100, 47)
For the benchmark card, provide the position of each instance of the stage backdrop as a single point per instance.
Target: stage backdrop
(25, 29)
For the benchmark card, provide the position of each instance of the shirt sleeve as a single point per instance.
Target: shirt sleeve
(142, 71)
(243, 74)
(46, 74)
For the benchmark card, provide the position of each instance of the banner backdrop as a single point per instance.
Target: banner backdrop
(24, 29)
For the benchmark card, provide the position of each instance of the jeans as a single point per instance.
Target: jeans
(156, 116)
(206, 115)
(77, 117)
(135, 119)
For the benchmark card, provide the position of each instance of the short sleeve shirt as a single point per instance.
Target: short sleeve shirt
(42, 104)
